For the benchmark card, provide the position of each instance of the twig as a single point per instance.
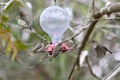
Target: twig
(2, 3)
(93, 7)
(110, 26)
(43, 39)
(112, 9)
(54, 2)
(2, 52)
(112, 73)
(74, 36)
(72, 71)
(40, 61)
(90, 68)
(115, 18)
(75, 25)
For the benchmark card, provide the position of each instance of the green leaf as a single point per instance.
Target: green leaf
(20, 45)
(10, 4)
(4, 18)
(1, 25)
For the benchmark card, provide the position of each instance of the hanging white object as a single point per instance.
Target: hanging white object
(54, 20)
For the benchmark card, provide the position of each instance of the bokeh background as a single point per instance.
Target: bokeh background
(16, 57)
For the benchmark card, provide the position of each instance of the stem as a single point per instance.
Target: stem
(54, 2)
(2, 3)
(90, 68)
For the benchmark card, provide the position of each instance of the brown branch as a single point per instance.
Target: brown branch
(112, 9)
(115, 18)
(91, 26)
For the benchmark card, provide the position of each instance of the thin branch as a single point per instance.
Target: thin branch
(2, 3)
(112, 9)
(75, 25)
(110, 26)
(90, 68)
(43, 39)
(37, 65)
(93, 7)
(2, 52)
(112, 73)
(115, 18)
(72, 71)
(74, 35)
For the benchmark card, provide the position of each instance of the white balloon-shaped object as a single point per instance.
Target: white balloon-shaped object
(54, 20)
